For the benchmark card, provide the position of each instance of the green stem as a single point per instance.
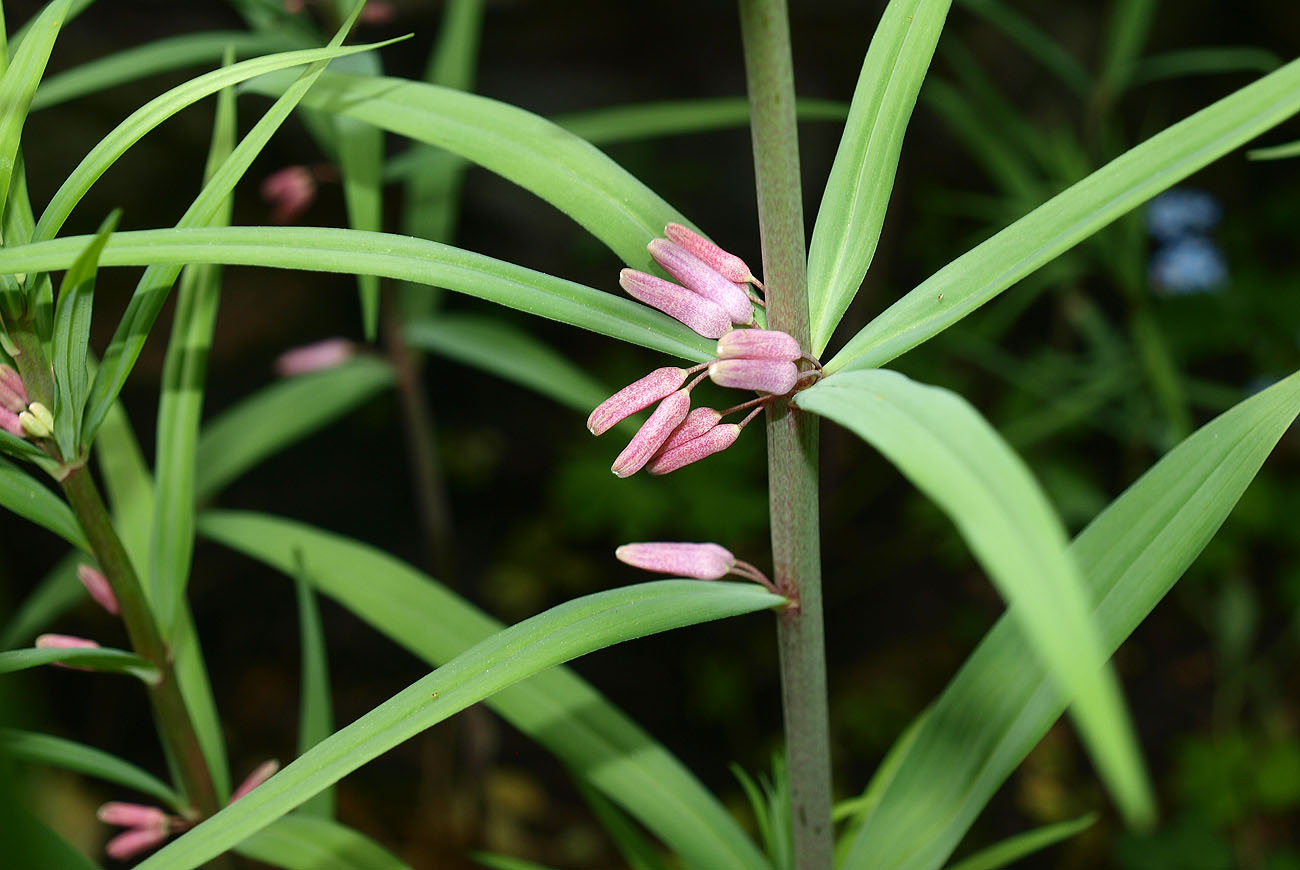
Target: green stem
(791, 434)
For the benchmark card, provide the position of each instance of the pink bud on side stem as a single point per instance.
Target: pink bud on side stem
(97, 585)
(715, 440)
(13, 395)
(769, 344)
(636, 396)
(290, 192)
(700, 561)
(777, 377)
(726, 264)
(128, 815)
(314, 357)
(700, 314)
(10, 423)
(700, 277)
(64, 641)
(667, 417)
(260, 774)
(128, 844)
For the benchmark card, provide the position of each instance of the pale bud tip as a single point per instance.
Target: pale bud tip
(260, 774)
(317, 356)
(698, 561)
(64, 641)
(97, 585)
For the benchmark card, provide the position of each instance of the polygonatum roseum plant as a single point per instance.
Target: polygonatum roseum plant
(1070, 602)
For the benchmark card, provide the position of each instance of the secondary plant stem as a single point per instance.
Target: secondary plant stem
(791, 434)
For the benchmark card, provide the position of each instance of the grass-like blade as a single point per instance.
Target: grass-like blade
(142, 61)
(69, 350)
(562, 633)
(1002, 701)
(631, 842)
(1126, 35)
(1071, 216)
(1031, 39)
(507, 862)
(538, 155)
(33, 747)
(509, 352)
(556, 708)
(1275, 152)
(19, 83)
(55, 594)
(955, 457)
(315, 710)
(300, 842)
(109, 661)
(1012, 849)
(361, 164)
(25, 496)
(853, 203)
(392, 256)
(1209, 60)
(279, 415)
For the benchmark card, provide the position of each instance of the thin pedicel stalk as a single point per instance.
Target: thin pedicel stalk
(791, 434)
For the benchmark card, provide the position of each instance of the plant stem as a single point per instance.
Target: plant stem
(791, 434)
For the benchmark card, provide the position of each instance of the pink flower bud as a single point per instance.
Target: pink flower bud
(260, 774)
(667, 417)
(133, 842)
(699, 421)
(636, 396)
(698, 276)
(768, 344)
(716, 440)
(766, 376)
(325, 354)
(64, 641)
(290, 192)
(13, 395)
(726, 264)
(376, 13)
(701, 561)
(701, 315)
(97, 585)
(128, 815)
(10, 423)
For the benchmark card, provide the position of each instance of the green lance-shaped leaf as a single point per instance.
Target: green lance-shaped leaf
(279, 415)
(1208, 60)
(1071, 216)
(315, 709)
(1033, 41)
(538, 155)
(1002, 701)
(564, 632)
(511, 353)
(27, 497)
(109, 661)
(556, 708)
(391, 256)
(299, 842)
(1012, 849)
(36, 748)
(955, 457)
(19, 83)
(1276, 152)
(70, 346)
(856, 195)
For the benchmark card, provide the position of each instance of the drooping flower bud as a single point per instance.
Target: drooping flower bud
(636, 396)
(703, 279)
(135, 841)
(260, 774)
(697, 422)
(37, 421)
(777, 377)
(771, 344)
(64, 641)
(700, 314)
(715, 440)
(700, 561)
(667, 417)
(314, 357)
(724, 263)
(290, 192)
(12, 423)
(13, 395)
(129, 815)
(97, 585)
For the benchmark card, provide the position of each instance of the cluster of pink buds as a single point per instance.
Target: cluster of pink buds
(713, 299)
(18, 417)
(699, 561)
(147, 827)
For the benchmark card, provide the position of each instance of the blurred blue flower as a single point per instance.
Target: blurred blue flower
(1181, 211)
(1188, 265)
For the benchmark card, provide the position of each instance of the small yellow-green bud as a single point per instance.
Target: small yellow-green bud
(37, 421)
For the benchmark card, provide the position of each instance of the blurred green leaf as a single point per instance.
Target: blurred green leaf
(1276, 152)
(1069, 217)
(1210, 60)
(1023, 845)
(19, 83)
(556, 708)
(55, 594)
(853, 203)
(36, 748)
(1001, 702)
(954, 456)
(302, 842)
(631, 841)
(109, 661)
(28, 498)
(315, 710)
(1031, 39)
(562, 633)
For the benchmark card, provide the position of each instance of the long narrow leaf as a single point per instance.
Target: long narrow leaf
(19, 83)
(1210, 60)
(315, 711)
(109, 661)
(1001, 702)
(557, 708)
(562, 633)
(1012, 849)
(1034, 42)
(1063, 221)
(952, 455)
(298, 842)
(391, 256)
(37, 748)
(856, 194)
(26, 497)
